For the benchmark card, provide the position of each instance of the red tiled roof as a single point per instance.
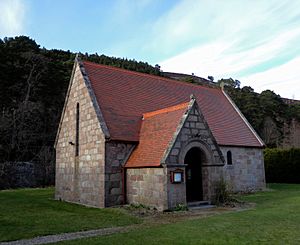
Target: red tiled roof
(156, 132)
(123, 96)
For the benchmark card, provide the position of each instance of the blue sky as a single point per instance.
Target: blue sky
(254, 41)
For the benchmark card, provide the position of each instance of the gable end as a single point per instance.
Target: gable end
(94, 100)
(66, 101)
(192, 128)
(87, 82)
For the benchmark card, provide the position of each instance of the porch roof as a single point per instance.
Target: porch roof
(157, 130)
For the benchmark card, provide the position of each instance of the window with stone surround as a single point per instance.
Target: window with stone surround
(229, 158)
(77, 131)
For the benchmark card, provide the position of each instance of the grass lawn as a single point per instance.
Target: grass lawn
(274, 220)
(27, 213)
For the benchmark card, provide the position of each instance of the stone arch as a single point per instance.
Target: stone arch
(196, 176)
(196, 143)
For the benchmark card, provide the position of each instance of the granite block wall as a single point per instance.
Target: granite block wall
(116, 154)
(247, 171)
(80, 178)
(176, 192)
(147, 186)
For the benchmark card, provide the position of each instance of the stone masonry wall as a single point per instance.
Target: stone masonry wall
(26, 175)
(116, 154)
(247, 169)
(211, 175)
(195, 129)
(176, 192)
(194, 133)
(147, 186)
(80, 179)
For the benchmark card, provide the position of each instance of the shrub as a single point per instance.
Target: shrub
(282, 166)
(138, 206)
(223, 195)
(180, 207)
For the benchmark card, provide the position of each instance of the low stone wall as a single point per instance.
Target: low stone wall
(147, 186)
(247, 170)
(26, 174)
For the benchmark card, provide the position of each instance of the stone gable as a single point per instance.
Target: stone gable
(193, 131)
(80, 178)
(193, 127)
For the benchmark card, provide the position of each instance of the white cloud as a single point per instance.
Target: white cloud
(230, 38)
(202, 60)
(192, 22)
(12, 17)
(179, 25)
(283, 80)
(127, 9)
(222, 58)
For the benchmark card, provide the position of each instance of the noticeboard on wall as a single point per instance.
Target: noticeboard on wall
(177, 176)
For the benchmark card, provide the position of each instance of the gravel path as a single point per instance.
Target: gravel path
(70, 236)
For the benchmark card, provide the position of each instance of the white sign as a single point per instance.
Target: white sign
(177, 177)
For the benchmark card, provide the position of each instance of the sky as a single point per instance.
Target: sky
(254, 41)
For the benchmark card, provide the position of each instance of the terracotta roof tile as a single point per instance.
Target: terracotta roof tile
(157, 130)
(123, 96)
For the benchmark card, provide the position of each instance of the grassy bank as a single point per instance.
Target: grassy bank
(27, 213)
(274, 220)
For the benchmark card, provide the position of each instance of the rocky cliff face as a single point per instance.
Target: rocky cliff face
(291, 135)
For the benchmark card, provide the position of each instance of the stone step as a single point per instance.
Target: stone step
(198, 203)
(201, 207)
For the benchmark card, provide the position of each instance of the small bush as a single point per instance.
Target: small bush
(138, 206)
(180, 207)
(223, 194)
(282, 166)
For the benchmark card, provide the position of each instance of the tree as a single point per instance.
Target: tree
(229, 82)
(211, 78)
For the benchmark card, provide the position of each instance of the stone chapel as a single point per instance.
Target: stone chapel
(129, 137)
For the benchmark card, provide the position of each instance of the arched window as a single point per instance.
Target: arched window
(77, 131)
(229, 158)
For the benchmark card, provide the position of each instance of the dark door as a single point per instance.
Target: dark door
(193, 175)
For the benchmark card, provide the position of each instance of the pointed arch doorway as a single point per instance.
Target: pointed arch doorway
(193, 160)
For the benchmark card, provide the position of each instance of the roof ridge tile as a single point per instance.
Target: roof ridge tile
(166, 109)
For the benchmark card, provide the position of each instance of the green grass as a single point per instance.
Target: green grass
(27, 213)
(274, 220)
